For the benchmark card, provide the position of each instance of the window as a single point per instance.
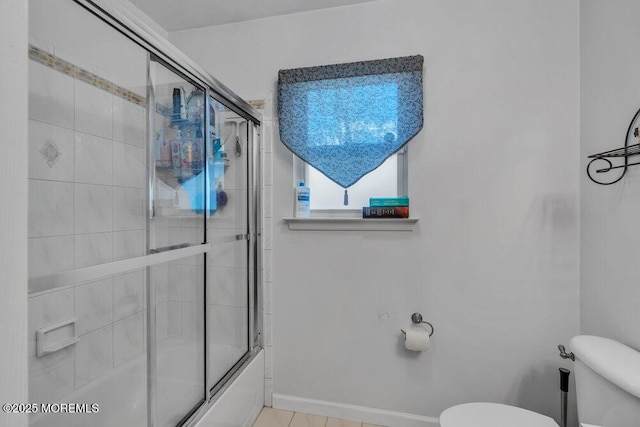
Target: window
(388, 180)
(348, 125)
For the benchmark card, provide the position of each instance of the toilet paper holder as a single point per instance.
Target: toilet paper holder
(416, 318)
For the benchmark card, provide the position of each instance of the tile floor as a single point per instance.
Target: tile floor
(270, 417)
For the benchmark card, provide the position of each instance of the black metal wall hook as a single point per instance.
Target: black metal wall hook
(619, 153)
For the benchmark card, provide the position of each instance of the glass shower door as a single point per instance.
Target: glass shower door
(228, 232)
(179, 201)
(87, 222)
(141, 261)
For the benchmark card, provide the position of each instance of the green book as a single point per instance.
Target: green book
(376, 202)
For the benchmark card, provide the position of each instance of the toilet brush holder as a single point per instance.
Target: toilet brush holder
(564, 389)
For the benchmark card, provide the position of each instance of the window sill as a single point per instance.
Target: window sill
(351, 224)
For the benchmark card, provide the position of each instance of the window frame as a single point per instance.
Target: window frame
(300, 173)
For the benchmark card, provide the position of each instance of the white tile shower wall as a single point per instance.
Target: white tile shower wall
(94, 355)
(43, 135)
(93, 159)
(52, 377)
(128, 244)
(223, 286)
(104, 344)
(128, 209)
(49, 309)
(128, 294)
(94, 305)
(96, 142)
(50, 208)
(94, 208)
(161, 273)
(93, 110)
(109, 175)
(174, 319)
(97, 49)
(129, 121)
(48, 255)
(51, 96)
(93, 249)
(192, 321)
(162, 321)
(128, 338)
(130, 168)
(494, 257)
(179, 292)
(87, 170)
(267, 137)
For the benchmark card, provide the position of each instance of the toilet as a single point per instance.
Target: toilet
(607, 375)
(483, 414)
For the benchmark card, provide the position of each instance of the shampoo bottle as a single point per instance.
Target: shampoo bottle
(165, 155)
(187, 156)
(302, 201)
(176, 154)
(158, 152)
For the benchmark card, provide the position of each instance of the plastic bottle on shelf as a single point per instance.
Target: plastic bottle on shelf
(187, 156)
(302, 201)
(179, 112)
(163, 151)
(198, 146)
(165, 154)
(176, 154)
(218, 161)
(158, 147)
(195, 107)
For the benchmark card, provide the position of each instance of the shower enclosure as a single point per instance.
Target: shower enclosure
(143, 218)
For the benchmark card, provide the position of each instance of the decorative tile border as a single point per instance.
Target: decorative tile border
(49, 60)
(66, 67)
(258, 104)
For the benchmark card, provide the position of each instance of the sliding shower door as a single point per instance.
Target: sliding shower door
(87, 220)
(142, 227)
(228, 231)
(177, 209)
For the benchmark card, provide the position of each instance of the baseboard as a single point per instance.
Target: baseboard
(352, 412)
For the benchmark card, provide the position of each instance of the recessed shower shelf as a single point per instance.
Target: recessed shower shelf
(350, 224)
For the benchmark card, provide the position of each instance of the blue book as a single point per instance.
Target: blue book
(376, 202)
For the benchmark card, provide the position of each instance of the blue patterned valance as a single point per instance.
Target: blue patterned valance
(346, 119)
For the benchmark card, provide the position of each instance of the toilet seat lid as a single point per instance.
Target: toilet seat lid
(482, 414)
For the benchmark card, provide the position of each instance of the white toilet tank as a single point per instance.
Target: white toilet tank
(607, 377)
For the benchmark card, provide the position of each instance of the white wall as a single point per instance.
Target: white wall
(13, 209)
(493, 177)
(610, 247)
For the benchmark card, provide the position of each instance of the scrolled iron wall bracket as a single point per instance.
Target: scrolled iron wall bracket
(623, 153)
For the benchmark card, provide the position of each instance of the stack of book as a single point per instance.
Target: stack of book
(387, 207)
